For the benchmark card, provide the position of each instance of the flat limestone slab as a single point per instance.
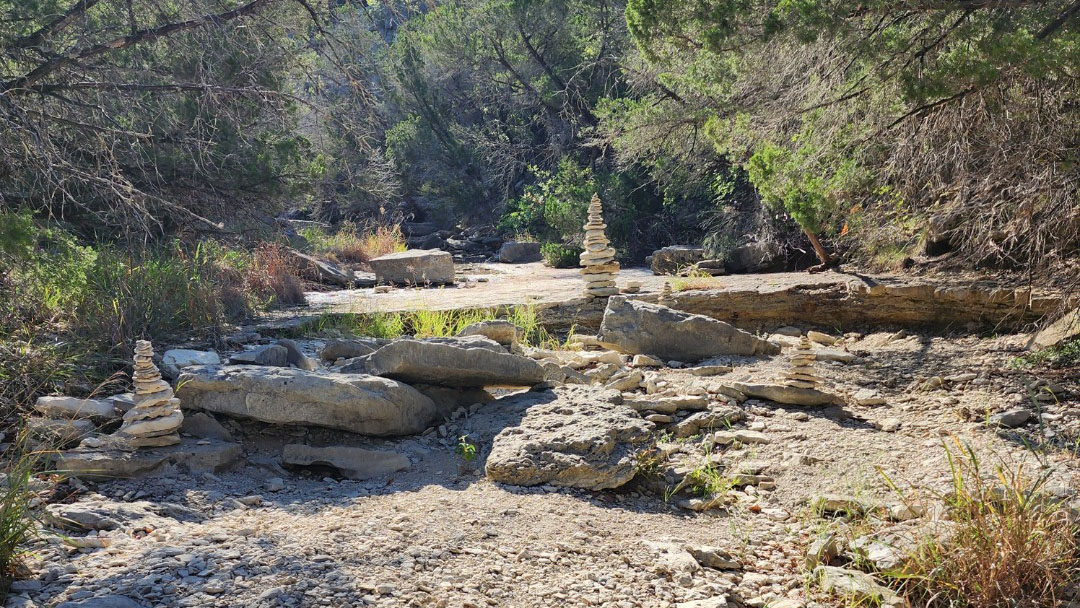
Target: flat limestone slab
(194, 454)
(354, 463)
(357, 403)
(787, 394)
(414, 267)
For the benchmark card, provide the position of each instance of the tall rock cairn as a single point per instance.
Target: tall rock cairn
(155, 420)
(801, 373)
(666, 297)
(598, 258)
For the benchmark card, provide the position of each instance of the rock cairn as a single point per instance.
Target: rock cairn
(155, 420)
(598, 258)
(801, 374)
(667, 297)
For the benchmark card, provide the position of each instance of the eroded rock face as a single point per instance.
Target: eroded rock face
(570, 436)
(638, 327)
(414, 267)
(347, 349)
(350, 402)
(453, 364)
(517, 252)
(354, 463)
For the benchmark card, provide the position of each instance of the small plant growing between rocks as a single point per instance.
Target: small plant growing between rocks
(466, 450)
(1011, 543)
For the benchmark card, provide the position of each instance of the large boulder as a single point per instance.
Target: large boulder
(638, 327)
(673, 259)
(569, 436)
(517, 252)
(504, 332)
(414, 267)
(453, 364)
(322, 271)
(196, 455)
(354, 463)
(357, 403)
(753, 257)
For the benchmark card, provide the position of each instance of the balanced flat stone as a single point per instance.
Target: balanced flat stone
(354, 463)
(350, 402)
(570, 436)
(638, 327)
(414, 267)
(448, 364)
(193, 454)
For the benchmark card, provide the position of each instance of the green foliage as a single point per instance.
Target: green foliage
(466, 449)
(434, 324)
(830, 109)
(558, 255)
(555, 205)
(1063, 355)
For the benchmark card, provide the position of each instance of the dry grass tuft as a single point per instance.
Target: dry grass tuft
(351, 244)
(1011, 546)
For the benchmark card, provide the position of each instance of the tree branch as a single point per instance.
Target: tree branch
(134, 38)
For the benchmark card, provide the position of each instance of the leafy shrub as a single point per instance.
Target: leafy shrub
(558, 255)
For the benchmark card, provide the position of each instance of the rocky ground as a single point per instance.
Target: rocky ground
(442, 533)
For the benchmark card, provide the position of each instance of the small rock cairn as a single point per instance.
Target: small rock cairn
(598, 258)
(666, 298)
(801, 374)
(155, 420)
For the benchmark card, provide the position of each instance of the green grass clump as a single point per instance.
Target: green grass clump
(17, 516)
(435, 324)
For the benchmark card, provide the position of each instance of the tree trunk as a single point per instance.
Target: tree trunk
(823, 257)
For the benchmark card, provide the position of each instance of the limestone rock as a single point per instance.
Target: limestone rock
(571, 437)
(267, 354)
(176, 359)
(102, 601)
(671, 557)
(787, 394)
(713, 557)
(322, 271)
(518, 252)
(821, 338)
(753, 257)
(449, 364)
(206, 426)
(504, 332)
(103, 462)
(671, 260)
(59, 430)
(362, 404)
(1068, 326)
(72, 407)
(347, 349)
(354, 463)
(856, 586)
(414, 267)
(294, 356)
(1010, 419)
(642, 328)
(718, 418)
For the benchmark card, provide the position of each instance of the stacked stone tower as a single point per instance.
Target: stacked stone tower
(666, 298)
(801, 373)
(598, 258)
(155, 420)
